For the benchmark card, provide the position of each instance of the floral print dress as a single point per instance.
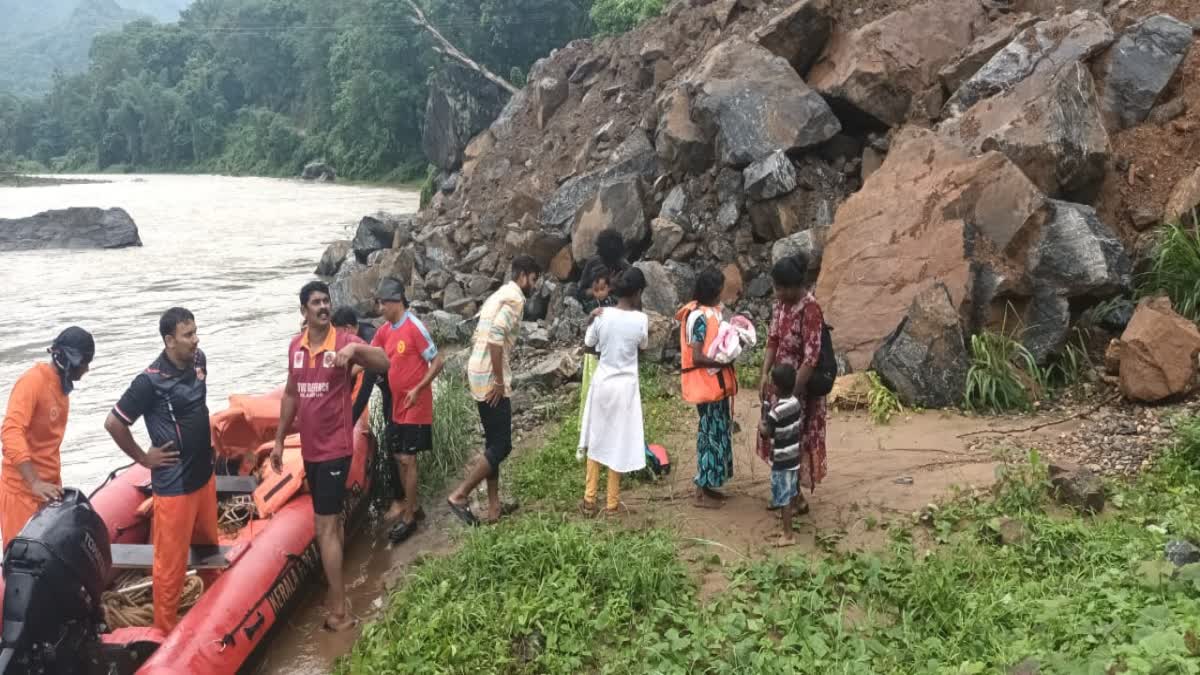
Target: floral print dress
(795, 335)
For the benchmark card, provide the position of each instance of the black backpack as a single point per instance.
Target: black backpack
(821, 381)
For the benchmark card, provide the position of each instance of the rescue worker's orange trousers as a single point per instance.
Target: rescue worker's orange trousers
(179, 522)
(16, 508)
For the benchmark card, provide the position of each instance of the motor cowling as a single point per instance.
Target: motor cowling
(55, 572)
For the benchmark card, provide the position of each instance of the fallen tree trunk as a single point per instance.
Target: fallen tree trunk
(448, 49)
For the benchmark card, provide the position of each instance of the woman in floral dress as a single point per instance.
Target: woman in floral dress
(795, 339)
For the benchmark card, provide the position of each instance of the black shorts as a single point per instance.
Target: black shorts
(497, 432)
(409, 439)
(327, 483)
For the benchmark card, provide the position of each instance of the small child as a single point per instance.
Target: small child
(783, 424)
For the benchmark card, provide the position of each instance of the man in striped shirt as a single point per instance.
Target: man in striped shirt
(784, 425)
(490, 377)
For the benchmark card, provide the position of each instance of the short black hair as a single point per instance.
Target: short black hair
(170, 320)
(311, 287)
(525, 264)
(791, 272)
(783, 377)
(602, 274)
(610, 246)
(629, 283)
(345, 317)
(709, 285)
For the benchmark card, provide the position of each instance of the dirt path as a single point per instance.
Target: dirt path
(876, 473)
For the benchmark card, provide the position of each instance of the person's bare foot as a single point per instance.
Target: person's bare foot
(783, 539)
(715, 494)
(394, 512)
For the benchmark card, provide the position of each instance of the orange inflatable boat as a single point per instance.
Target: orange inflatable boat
(267, 556)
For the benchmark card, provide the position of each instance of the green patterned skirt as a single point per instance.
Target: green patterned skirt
(714, 445)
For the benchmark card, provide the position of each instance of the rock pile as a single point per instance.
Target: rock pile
(957, 145)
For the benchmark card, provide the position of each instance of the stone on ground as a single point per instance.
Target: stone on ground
(1078, 487)
(1139, 66)
(925, 360)
(333, 257)
(660, 295)
(770, 177)
(983, 48)
(1158, 353)
(798, 33)
(618, 206)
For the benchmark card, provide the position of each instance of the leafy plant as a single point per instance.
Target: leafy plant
(1004, 376)
(882, 403)
(1175, 269)
(1070, 365)
(429, 185)
(613, 17)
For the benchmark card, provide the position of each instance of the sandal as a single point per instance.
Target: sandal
(402, 531)
(588, 510)
(464, 514)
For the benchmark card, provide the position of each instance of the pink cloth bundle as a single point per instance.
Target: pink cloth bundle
(733, 336)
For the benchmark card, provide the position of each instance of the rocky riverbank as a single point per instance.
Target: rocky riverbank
(953, 166)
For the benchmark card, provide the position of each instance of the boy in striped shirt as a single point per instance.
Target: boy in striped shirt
(784, 425)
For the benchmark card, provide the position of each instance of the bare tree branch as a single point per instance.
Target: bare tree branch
(455, 53)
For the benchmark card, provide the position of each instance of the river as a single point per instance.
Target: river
(233, 250)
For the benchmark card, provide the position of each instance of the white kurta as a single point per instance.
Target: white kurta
(612, 417)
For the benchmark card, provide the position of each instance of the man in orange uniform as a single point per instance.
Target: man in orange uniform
(33, 430)
(172, 397)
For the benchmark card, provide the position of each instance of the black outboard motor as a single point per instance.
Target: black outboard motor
(54, 574)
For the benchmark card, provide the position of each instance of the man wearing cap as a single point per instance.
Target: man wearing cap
(317, 396)
(33, 429)
(413, 364)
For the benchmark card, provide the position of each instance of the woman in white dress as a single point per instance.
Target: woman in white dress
(612, 417)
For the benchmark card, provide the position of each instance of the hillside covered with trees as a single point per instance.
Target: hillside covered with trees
(262, 86)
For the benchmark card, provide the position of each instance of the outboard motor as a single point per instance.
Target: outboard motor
(54, 574)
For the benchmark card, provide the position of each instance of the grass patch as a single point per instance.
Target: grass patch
(455, 436)
(1004, 376)
(1077, 595)
(1175, 269)
(551, 474)
(882, 403)
(538, 595)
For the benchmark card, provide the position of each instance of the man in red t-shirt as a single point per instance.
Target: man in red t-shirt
(319, 389)
(414, 362)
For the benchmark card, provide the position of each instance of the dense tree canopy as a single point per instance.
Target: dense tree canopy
(262, 86)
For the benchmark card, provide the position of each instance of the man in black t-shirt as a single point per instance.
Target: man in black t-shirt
(172, 398)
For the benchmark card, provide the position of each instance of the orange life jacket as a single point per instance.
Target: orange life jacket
(699, 385)
(277, 489)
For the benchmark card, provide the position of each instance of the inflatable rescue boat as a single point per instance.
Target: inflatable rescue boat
(76, 582)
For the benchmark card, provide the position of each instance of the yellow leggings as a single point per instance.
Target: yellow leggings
(593, 484)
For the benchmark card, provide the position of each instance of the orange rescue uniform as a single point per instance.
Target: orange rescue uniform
(33, 430)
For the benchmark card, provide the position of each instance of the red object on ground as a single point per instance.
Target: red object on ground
(271, 561)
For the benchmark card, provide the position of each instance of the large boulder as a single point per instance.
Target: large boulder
(1078, 255)
(634, 158)
(373, 234)
(1158, 353)
(461, 104)
(1048, 124)
(318, 171)
(333, 257)
(888, 66)
(663, 333)
(1184, 200)
(1042, 48)
(665, 235)
(932, 213)
(660, 295)
(616, 205)
(810, 243)
(1140, 65)
(683, 147)
(812, 204)
(925, 360)
(549, 94)
(74, 228)
(798, 33)
(550, 372)
(983, 48)
(356, 283)
(753, 103)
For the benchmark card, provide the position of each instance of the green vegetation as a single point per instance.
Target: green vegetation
(1175, 269)
(551, 474)
(1003, 376)
(429, 185)
(1009, 579)
(618, 16)
(263, 86)
(882, 403)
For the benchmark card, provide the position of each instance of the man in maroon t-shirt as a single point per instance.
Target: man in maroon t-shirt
(415, 363)
(319, 387)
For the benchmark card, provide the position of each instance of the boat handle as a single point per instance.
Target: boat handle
(252, 629)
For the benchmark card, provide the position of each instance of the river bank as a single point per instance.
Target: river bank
(20, 180)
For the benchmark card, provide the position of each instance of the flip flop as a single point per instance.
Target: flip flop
(402, 531)
(464, 513)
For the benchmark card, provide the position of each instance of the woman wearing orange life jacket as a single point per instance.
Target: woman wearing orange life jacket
(709, 391)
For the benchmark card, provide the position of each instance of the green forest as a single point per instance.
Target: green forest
(262, 86)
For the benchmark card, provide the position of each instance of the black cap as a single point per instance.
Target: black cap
(77, 340)
(391, 289)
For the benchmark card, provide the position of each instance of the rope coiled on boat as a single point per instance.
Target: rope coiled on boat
(135, 609)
